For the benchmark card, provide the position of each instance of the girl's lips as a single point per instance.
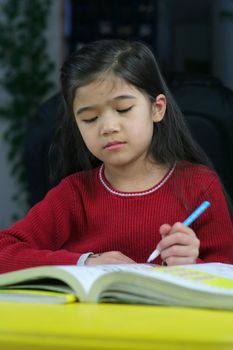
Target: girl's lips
(114, 145)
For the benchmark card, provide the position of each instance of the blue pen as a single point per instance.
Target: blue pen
(186, 222)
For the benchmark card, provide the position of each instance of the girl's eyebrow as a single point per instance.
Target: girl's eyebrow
(124, 97)
(90, 108)
(84, 109)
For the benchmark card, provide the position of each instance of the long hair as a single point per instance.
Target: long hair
(135, 63)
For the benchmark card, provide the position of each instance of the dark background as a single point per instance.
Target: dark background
(178, 31)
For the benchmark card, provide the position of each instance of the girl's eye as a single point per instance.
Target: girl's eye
(91, 120)
(124, 110)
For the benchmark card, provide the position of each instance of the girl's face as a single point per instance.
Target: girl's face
(116, 120)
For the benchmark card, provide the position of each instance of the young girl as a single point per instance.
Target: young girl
(142, 174)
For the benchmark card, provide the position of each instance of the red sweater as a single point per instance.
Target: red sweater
(84, 213)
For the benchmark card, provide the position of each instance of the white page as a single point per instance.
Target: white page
(223, 270)
(88, 274)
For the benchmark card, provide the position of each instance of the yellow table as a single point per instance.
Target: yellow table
(86, 326)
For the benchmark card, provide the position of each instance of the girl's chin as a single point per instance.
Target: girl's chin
(120, 163)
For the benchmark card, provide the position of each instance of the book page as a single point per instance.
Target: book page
(87, 275)
(223, 270)
(197, 285)
(196, 276)
(211, 277)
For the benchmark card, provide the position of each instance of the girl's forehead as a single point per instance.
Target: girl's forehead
(107, 84)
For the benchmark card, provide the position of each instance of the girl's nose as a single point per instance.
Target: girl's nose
(110, 125)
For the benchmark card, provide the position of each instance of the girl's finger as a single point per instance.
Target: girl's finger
(179, 227)
(164, 229)
(177, 260)
(178, 251)
(178, 238)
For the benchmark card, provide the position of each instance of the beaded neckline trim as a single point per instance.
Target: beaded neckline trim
(134, 194)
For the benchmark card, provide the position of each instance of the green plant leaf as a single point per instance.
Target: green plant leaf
(27, 75)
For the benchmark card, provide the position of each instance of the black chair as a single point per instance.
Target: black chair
(38, 139)
(208, 108)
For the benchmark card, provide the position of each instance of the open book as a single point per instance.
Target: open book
(202, 285)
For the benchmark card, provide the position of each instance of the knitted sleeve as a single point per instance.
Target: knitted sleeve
(215, 229)
(37, 239)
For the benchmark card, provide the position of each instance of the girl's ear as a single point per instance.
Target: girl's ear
(159, 108)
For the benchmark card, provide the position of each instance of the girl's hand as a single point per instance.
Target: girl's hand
(179, 244)
(113, 257)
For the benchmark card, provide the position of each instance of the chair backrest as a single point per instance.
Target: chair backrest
(37, 143)
(208, 108)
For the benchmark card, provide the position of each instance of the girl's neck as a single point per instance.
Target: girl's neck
(134, 178)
